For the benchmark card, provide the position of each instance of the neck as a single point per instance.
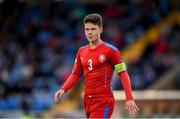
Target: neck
(95, 43)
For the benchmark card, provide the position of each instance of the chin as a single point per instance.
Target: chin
(91, 40)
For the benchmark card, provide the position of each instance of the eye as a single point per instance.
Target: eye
(93, 29)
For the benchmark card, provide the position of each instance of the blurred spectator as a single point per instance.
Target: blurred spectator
(38, 43)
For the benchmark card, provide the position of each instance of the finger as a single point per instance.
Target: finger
(60, 94)
(126, 107)
(134, 107)
(56, 100)
(56, 97)
(129, 109)
(137, 108)
(132, 110)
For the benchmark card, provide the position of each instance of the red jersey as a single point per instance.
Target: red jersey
(97, 66)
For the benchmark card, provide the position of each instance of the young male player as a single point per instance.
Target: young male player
(97, 60)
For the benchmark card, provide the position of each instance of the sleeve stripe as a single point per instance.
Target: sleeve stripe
(111, 46)
(120, 67)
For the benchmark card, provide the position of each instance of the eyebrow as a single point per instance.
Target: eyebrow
(91, 28)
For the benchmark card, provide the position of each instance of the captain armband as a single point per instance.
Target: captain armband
(120, 67)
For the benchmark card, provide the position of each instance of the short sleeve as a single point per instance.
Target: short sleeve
(115, 57)
(117, 61)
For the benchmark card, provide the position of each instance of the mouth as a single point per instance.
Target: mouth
(90, 37)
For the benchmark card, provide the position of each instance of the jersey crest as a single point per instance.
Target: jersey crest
(102, 58)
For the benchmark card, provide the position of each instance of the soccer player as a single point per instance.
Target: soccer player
(97, 60)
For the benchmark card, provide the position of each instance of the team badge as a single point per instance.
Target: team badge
(102, 58)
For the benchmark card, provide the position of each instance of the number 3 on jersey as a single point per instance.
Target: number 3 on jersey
(90, 64)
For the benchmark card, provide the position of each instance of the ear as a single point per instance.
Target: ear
(101, 29)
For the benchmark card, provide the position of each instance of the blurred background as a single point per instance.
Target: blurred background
(39, 40)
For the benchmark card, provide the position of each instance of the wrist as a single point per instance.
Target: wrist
(62, 90)
(129, 98)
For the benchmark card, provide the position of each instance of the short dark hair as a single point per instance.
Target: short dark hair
(93, 18)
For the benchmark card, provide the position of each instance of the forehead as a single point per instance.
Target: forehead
(90, 25)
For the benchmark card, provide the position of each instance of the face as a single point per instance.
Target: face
(92, 32)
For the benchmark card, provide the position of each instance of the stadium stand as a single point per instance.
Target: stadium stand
(39, 39)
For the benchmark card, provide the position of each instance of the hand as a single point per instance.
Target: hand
(58, 94)
(131, 107)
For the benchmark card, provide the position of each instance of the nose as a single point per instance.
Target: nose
(89, 31)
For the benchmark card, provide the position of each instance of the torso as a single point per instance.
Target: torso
(97, 69)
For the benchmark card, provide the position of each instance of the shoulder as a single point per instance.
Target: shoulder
(109, 46)
(82, 48)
